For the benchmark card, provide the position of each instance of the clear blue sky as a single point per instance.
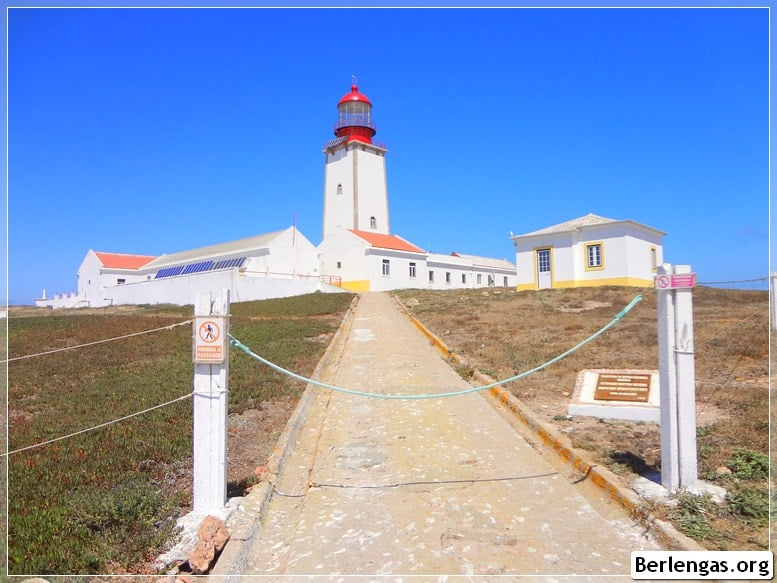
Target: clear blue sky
(153, 131)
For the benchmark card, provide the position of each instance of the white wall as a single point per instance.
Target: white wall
(338, 208)
(625, 251)
(373, 195)
(399, 269)
(349, 251)
(367, 165)
(183, 289)
(89, 280)
(292, 254)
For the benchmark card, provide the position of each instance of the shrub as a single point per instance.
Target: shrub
(749, 465)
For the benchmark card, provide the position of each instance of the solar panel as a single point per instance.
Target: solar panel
(227, 263)
(199, 267)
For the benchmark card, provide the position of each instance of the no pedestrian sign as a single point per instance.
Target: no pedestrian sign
(676, 281)
(209, 339)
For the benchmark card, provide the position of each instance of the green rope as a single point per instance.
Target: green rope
(237, 344)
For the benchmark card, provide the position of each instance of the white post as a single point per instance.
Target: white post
(773, 297)
(667, 379)
(210, 401)
(677, 377)
(686, 381)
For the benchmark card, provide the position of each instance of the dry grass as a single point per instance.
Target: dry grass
(502, 333)
(106, 501)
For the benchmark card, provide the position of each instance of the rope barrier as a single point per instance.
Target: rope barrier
(237, 344)
(758, 312)
(734, 281)
(170, 327)
(186, 396)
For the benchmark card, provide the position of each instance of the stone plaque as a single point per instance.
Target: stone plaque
(631, 394)
(623, 387)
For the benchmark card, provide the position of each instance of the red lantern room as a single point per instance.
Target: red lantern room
(354, 117)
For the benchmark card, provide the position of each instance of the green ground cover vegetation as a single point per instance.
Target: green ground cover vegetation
(107, 501)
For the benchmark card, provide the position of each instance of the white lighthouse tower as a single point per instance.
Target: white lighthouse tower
(355, 191)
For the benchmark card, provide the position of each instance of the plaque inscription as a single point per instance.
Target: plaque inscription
(623, 387)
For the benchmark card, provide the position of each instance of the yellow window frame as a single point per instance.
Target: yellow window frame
(587, 256)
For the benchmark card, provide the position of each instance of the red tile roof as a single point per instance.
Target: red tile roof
(386, 241)
(122, 260)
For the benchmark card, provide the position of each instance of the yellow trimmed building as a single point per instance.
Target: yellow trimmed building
(588, 251)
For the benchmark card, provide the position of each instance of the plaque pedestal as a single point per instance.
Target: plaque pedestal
(617, 394)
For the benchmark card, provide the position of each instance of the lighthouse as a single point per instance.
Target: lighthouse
(355, 189)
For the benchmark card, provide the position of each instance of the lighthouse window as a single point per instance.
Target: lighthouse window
(373, 223)
(339, 189)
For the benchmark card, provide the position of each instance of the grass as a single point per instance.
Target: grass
(503, 333)
(107, 501)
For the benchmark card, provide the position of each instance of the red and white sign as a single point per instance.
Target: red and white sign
(209, 339)
(676, 281)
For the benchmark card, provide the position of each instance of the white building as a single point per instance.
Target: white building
(588, 251)
(357, 253)
(277, 264)
(358, 250)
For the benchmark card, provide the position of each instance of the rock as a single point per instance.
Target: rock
(214, 530)
(201, 558)
(213, 535)
(723, 470)
(261, 472)
(717, 493)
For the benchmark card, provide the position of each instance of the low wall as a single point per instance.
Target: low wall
(182, 290)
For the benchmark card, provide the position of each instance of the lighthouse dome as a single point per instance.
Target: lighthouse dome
(354, 95)
(354, 117)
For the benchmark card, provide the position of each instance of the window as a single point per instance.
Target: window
(120, 281)
(339, 189)
(653, 259)
(386, 268)
(373, 223)
(479, 278)
(594, 259)
(463, 278)
(448, 277)
(339, 265)
(412, 270)
(490, 280)
(505, 281)
(431, 276)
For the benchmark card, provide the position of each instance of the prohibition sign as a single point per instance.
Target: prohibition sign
(663, 281)
(209, 331)
(209, 339)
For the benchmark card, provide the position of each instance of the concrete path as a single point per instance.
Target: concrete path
(423, 487)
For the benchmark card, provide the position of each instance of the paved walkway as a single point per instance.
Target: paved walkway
(423, 487)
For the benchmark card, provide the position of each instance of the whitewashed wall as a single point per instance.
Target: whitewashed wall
(292, 254)
(338, 208)
(625, 248)
(373, 196)
(182, 290)
(368, 167)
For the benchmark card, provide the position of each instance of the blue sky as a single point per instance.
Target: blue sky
(152, 131)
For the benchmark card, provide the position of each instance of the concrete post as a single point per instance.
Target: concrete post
(210, 404)
(677, 378)
(773, 298)
(667, 379)
(686, 381)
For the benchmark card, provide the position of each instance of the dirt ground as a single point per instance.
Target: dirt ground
(502, 333)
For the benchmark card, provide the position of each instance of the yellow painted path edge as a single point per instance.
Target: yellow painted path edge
(666, 533)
